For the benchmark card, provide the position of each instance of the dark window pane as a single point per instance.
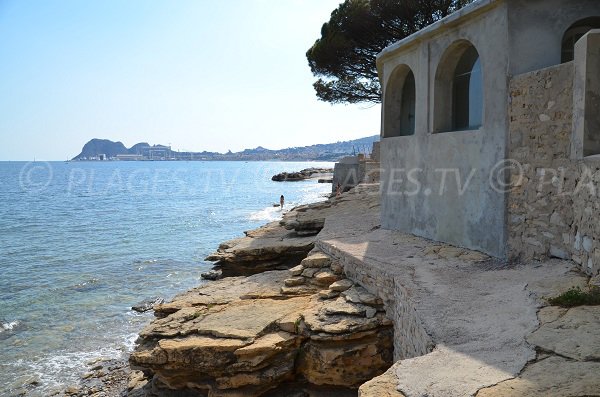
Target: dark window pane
(574, 33)
(407, 112)
(467, 92)
(476, 97)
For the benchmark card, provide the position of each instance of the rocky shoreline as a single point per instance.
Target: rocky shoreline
(426, 319)
(311, 331)
(285, 320)
(302, 175)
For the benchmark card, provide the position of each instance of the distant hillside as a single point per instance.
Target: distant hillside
(107, 149)
(102, 146)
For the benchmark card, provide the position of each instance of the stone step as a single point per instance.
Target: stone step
(317, 259)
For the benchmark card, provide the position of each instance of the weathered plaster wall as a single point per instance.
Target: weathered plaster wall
(536, 29)
(555, 205)
(434, 206)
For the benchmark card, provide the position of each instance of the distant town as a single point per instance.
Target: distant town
(107, 150)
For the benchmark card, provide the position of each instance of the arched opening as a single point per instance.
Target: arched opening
(400, 103)
(467, 92)
(459, 90)
(574, 33)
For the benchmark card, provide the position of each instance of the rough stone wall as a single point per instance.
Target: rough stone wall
(410, 338)
(553, 207)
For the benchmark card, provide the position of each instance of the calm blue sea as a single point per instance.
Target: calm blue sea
(81, 242)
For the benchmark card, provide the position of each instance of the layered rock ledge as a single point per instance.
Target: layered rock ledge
(276, 246)
(302, 330)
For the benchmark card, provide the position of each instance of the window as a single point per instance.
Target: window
(400, 103)
(586, 97)
(574, 33)
(458, 96)
(467, 92)
(407, 106)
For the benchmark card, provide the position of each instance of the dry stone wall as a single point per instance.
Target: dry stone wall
(554, 203)
(410, 338)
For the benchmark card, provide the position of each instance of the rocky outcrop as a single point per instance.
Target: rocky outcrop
(306, 173)
(147, 304)
(278, 332)
(275, 246)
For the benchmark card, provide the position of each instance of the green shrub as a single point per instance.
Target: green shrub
(577, 297)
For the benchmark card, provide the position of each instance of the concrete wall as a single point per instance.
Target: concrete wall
(346, 173)
(428, 202)
(555, 201)
(537, 27)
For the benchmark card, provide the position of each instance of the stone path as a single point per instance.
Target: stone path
(463, 322)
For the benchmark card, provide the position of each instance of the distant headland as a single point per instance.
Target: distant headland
(104, 149)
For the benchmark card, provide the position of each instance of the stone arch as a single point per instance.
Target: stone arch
(400, 103)
(458, 90)
(575, 32)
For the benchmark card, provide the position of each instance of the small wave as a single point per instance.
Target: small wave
(64, 368)
(9, 326)
(86, 286)
(268, 214)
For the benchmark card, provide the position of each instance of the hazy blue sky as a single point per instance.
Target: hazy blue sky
(199, 74)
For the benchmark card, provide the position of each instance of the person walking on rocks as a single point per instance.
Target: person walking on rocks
(281, 201)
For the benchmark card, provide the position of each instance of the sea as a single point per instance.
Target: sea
(82, 242)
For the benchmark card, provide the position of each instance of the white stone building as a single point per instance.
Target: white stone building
(490, 127)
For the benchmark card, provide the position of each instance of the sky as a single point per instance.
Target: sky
(199, 75)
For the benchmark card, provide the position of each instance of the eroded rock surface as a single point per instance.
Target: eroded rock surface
(275, 246)
(551, 377)
(568, 357)
(245, 336)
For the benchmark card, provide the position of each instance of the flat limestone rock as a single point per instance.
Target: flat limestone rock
(358, 294)
(551, 377)
(340, 306)
(297, 270)
(267, 248)
(317, 259)
(575, 334)
(266, 347)
(246, 319)
(195, 352)
(549, 314)
(381, 386)
(340, 324)
(328, 294)
(226, 290)
(294, 281)
(450, 372)
(300, 290)
(341, 285)
(310, 272)
(325, 278)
